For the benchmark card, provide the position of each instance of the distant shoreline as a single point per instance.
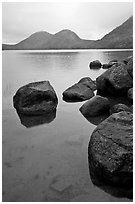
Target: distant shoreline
(69, 50)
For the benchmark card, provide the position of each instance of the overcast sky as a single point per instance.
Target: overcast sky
(89, 20)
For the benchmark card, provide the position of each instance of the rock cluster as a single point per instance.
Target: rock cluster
(110, 150)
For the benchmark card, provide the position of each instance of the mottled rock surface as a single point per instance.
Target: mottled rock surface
(110, 150)
(119, 107)
(114, 81)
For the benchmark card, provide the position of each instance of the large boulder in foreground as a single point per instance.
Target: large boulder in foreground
(114, 81)
(119, 107)
(83, 90)
(96, 106)
(35, 98)
(110, 150)
(95, 64)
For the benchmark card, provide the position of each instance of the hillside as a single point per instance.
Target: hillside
(120, 37)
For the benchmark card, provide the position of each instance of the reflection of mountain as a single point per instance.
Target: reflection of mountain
(120, 37)
(30, 121)
(112, 190)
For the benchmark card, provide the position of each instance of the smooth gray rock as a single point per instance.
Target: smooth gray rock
(110, 150)
(97, 105)
(35, 98)
(81, 91)
(88, 82)
(95, 64)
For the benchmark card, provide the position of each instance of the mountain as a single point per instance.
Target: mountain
(120, 37)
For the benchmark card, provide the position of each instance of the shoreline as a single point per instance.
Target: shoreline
(71, 50)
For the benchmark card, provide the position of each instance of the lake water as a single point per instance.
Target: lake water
(49, 161)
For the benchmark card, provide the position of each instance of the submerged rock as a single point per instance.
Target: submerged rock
(110, 150)
(35, 98)
(114, 81)
(119, 107)
(83, 90)
(97, 105)
(95, 64)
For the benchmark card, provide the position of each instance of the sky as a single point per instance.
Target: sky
(87, 19)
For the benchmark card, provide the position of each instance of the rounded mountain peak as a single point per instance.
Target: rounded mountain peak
(40, 34)
(67, 33)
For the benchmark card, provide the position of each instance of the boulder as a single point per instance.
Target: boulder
(114, 81)
(130, 94)
(88, 82)
(110, 151)
(111, 63)
(130, 67)
(81, 91)
(35, 98)
(95, 64)
(97, 105)
(106, 66)
(118, 108)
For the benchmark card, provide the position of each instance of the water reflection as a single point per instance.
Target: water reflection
(109, 188)
(96, 120)
(63, 60)
(31, 121)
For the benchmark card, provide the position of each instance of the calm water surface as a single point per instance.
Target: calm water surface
(46, 159)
